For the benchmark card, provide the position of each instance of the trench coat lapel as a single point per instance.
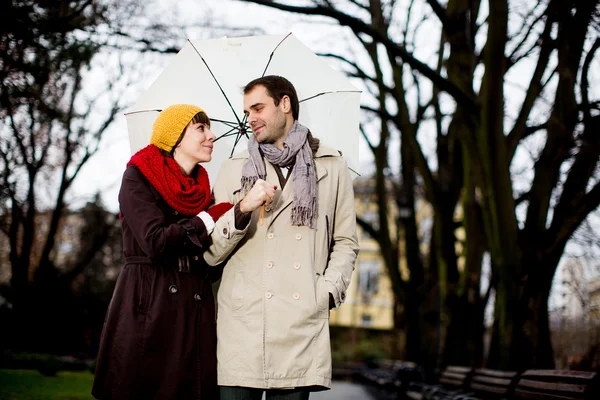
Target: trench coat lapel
(285, 197)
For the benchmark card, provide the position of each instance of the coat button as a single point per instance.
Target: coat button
(268, 208)
(297, 265)
(268, 295)
(270, 235)
(197, 297)
(270, 264)
(175, 213)
(173, 289)
(225, 231)
(196, 258)
(296, 296)
(298, 236)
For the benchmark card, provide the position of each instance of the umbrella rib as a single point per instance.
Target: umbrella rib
(228, 123)
(226, 134)
(216, 81)
(141, 111)
(324, 93)
(237, 140)
(273, 52)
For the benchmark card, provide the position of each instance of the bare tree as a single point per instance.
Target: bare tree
(47, 130)
(477, 139)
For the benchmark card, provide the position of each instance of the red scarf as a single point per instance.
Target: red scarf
(186, 194)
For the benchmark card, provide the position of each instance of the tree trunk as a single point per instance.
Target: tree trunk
(533, 348)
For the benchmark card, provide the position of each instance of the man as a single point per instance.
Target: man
(290, 261)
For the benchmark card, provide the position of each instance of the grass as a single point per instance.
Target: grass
(31, 385)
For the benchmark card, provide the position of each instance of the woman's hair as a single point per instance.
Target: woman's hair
(199, 118)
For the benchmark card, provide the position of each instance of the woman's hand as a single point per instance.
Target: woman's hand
(262, 193)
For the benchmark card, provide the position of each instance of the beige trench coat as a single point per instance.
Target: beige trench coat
(273, 301)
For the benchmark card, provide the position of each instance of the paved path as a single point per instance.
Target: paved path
(343, 391)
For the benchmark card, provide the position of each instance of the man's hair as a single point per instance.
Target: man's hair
(277, 87)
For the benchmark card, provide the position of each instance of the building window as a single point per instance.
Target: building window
(368, 278)
(366, 320)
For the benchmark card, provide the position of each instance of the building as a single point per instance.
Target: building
(369, 299)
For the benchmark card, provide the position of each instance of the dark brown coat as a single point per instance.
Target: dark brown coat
(159, 338)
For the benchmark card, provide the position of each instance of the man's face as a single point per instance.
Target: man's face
(268, 121)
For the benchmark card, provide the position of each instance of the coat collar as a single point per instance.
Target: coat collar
(322, 152)
(284, 198)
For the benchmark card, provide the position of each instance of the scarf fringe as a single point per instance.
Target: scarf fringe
(304, 216)
(247, 183)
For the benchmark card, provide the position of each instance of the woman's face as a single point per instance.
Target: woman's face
(197, 143)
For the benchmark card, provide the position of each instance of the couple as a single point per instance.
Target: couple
(281, 219)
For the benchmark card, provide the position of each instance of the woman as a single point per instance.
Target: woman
(159, 337)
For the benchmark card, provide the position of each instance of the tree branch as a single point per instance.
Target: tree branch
(393, 48)
(585, 100)
(365, 226)
(439, 11)
(519, 130)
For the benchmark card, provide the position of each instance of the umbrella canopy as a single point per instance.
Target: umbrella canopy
(212, 73)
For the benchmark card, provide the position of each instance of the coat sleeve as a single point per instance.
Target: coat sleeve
(344, 240)
(225, 237)
(147, 221)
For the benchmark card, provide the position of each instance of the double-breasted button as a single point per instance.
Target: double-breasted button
(270, 235)
(297, 265)
(298, 236)
(268, 295)
(270, 264)
(296, 296)
(173, 289)
(197, 297)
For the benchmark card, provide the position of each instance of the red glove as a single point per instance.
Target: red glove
(218, 209)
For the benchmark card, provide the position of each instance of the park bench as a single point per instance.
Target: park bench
(557, 384)
(393, 375)
(491, 383)
(462, 383)
(452, 382)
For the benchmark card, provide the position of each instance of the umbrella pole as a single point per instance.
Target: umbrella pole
(261, 216)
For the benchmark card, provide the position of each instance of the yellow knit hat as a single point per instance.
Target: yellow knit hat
(170, 123)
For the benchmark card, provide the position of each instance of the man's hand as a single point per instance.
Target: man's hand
(262, 193)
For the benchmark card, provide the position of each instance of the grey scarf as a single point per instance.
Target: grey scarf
(296, 153)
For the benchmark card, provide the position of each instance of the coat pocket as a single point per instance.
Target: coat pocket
(238, 290)
(144, 287)
(322, 298)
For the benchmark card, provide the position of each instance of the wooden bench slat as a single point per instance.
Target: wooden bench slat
(452, 375)
(451, 382)
(488, 389)
(552, 386)
(552, 373)
(458, 369)
(524, 394)
(495, 373)
(492, 381)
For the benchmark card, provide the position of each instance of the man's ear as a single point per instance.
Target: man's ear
(286, 104)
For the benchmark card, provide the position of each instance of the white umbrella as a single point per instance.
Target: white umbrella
(212, 73)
